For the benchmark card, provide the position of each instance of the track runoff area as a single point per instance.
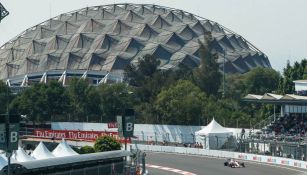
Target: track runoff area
(176, 164)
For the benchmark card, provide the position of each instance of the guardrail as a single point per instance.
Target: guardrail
(224, 154)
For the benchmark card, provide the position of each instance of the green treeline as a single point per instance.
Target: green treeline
(181, 96)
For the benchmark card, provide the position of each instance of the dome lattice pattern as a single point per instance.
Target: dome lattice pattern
(107, 38)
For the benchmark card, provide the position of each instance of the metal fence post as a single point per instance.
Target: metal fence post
(143, 163)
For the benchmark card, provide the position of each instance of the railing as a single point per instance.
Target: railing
(296, 149)
(225, 154)
(267, 121)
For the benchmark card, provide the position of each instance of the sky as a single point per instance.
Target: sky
(276, 27)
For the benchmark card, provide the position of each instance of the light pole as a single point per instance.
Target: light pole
(224, 57)
(8, 153)
(217, 142)
(193, 138)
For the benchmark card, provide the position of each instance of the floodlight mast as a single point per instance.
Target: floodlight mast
(3, 12)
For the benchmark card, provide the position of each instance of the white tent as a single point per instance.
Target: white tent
(41, 152)
(213, 135)
(63, 149)
(21, 156)
(3, 161)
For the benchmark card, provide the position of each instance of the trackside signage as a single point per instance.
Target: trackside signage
(112, 125)
(75, 135)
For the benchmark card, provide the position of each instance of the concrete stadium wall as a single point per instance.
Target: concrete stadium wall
(224, 154)
(145, 132)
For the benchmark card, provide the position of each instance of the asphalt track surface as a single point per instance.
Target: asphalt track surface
(211, 166)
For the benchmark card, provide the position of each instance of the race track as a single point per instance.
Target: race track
(210, 166)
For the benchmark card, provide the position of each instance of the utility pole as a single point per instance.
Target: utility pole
(9, 129)
(8, 153)
(224, 57)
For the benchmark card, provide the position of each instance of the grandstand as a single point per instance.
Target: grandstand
(284, 132)
(290, 119)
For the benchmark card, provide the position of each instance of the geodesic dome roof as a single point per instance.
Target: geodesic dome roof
(106, 38)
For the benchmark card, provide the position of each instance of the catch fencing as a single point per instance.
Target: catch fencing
(224, 154)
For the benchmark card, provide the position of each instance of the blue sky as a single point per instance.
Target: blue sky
(276, 27)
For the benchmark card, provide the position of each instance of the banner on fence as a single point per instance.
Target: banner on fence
(112, 125)
(76, 135)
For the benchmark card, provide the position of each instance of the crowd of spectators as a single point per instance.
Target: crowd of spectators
(195, 145)
(290, 125)
(166, 143)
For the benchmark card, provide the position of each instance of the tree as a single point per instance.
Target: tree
(114, 98)
(235, 87)
(57, 99)
(86, 149)
(84, 100)
(261, 80)
(106, 143)
(207, 76)
(291, 73)
(181, 103)
(226, 111)
(144, 76)
(5, 97)
(33, 103)
(147, 66)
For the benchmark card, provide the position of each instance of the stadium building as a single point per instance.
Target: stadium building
(98, 42)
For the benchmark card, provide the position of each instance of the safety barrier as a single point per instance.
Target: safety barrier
(224, 154)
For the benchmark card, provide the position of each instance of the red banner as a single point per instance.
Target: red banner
(76, 135)
(112, 125)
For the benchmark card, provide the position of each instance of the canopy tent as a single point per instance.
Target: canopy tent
(21, 156)
(41, 152)
(3, 161)
(213, 135)
(63, 149)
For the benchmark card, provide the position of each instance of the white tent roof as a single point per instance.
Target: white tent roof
(212, 128)
(63, 149)
(41, 152)
(3, 162)
(21, 156)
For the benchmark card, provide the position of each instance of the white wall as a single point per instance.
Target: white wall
(300, 86)
(295, 109)
(145, 132)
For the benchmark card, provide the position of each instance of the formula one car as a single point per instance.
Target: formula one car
(234, 164)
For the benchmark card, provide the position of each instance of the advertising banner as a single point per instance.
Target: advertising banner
(112, 125)
(76, 135)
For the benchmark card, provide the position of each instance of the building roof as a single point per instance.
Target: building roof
(276, 99)
(57, 161)
(300, 81)
(106, 38)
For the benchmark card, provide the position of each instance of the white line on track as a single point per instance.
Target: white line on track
(259, 163)
(170, 169)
